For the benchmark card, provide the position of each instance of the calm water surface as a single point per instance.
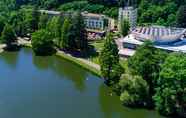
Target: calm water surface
(49, 87)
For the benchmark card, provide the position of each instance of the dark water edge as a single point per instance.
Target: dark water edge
(50, 87)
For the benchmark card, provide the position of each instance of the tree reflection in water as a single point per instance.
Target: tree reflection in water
(10, 58)
(63, 68)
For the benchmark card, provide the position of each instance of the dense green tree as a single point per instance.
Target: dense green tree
(123, 3)
(42, 43)
(151, 11)
(104, 2)
(109, 61)
(134, 90)
(111, 11)
(79, 32)
(23, 25)
(147, 62)
(43, 20)
(125, 27)
(170, 97)
(65, 34)
(2, 24)
(34, 19)
(54, 27)
(181, 17)
(8, 35)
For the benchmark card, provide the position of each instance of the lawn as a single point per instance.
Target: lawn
(98, 45)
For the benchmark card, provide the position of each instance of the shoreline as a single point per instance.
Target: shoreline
(83, 63)
(80, 62)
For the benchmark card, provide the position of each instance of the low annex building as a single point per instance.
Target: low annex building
(159, 34)
(166, 38)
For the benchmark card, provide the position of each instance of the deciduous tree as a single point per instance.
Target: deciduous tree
(170, 97)
(42, 42)
(181, 16)
(8, 35)
(134, 90)
(147, 62)
(125, 27)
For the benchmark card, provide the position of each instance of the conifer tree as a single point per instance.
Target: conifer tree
(109, 61)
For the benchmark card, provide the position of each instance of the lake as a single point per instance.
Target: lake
(50, 87)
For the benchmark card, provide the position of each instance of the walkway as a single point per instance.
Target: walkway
(22, 41)
(2, 46)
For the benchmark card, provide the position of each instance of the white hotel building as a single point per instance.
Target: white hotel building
(130, 14)
(93, 22)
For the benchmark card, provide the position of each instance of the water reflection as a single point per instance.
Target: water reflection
(112, 107)
(71, 72)
(42, 63)
(62, 68)
(10, 58)
(62, 90)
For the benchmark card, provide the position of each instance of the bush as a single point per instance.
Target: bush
(42, 43)
(134, 90)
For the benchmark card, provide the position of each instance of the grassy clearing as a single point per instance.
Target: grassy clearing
(98, 45)
(124, 64)
(94, 59)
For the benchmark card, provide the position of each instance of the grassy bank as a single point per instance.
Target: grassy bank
(79, 63)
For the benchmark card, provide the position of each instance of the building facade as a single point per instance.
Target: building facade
(130, 14)
(93, 22)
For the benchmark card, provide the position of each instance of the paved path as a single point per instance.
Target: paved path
(96, 66)
(2, 46)
(22, 41)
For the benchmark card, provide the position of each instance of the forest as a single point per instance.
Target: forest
(158, 12)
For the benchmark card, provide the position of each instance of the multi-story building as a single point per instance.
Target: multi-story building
(93, 22)
(130, 14)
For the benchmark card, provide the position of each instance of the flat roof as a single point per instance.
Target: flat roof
(130, 39)
(50, 12)
(179, 46)
(159, 33)
(92, 14)
(83, 13)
